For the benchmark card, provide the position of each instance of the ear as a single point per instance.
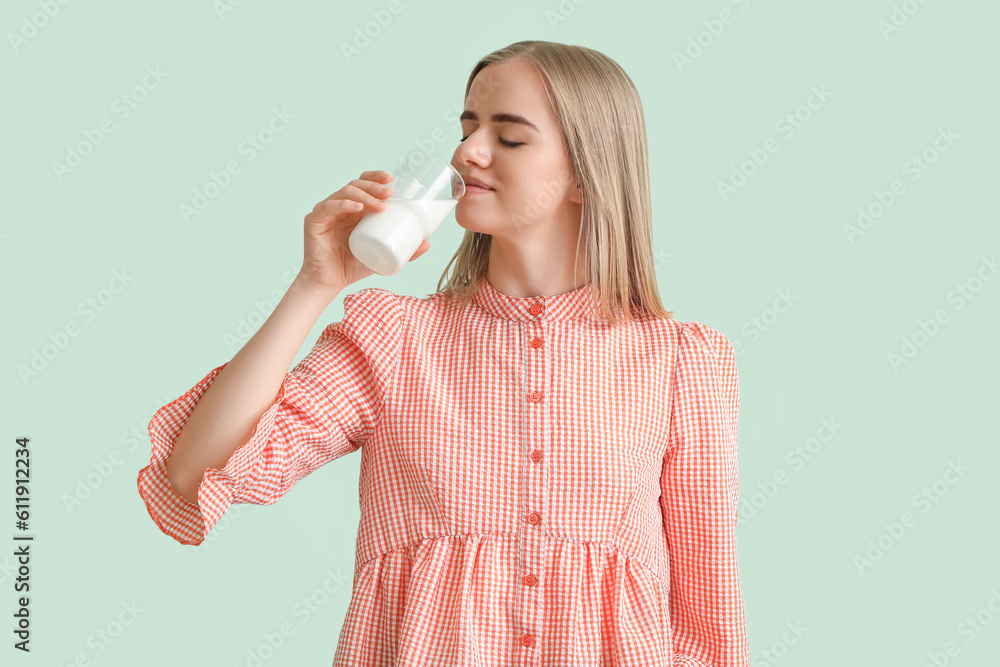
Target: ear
(577, 195)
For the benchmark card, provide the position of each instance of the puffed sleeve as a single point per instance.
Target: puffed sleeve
(327, 406)
(699, 494)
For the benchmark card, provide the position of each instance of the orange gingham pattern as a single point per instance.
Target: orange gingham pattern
(536, 488)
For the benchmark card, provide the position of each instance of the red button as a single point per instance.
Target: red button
(530, 580)
(534, 397)
(536, 455)
(527, 640)
(534, 518)
(535, 309)
(536, 343)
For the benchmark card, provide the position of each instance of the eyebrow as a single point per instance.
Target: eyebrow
(500, 118)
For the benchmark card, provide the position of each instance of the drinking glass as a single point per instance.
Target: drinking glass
(425, 188)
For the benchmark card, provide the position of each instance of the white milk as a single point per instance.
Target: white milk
(432, 212)
(384, 241)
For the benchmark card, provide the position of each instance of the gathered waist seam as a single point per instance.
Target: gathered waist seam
(609, 545)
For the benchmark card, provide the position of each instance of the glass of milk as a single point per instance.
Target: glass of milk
(425, 188)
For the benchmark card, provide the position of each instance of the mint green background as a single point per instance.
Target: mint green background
(721, 263)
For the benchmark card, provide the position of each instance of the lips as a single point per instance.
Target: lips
(475, 183)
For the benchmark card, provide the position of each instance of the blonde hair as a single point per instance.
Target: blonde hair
(600, 114)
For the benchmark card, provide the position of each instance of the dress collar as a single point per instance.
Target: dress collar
(567, 306)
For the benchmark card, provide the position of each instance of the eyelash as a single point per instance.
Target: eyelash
(511, 144)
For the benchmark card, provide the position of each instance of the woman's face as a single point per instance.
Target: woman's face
(532, 181)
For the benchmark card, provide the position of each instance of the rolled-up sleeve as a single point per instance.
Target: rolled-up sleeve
(327, 406)
(699, 495)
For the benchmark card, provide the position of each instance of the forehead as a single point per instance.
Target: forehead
(510, 87)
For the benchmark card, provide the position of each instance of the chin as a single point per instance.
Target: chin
(465, 222)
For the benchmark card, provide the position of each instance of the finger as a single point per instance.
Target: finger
(370, 195)
(424, 247)
(327, 210)
(371, 180)
(371, 187)
(378, 175)
(330, 206)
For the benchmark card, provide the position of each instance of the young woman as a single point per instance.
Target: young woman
(549, 471)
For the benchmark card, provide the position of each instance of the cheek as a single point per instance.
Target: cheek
(546, 194)
(550, 181)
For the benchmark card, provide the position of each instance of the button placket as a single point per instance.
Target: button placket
(533, 535)
(532, 551)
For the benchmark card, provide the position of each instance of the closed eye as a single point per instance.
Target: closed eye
(512, 144)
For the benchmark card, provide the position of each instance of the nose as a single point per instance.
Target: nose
(472, 151)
